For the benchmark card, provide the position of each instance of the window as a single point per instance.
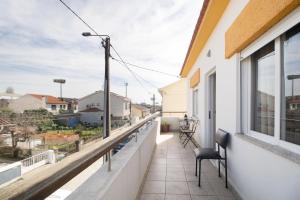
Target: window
(270, 90)
(53, 107)
(263, 97)
(195, 103)
(290, 86)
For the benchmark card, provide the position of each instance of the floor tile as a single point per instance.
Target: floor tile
(205, 188)
(156, 176)
(220, 189)
(174, 161)
(155, 187)
(160, 161)
(196, 197)
(190, 175)
(177, 197)
(173, 187)
(175, 176)
(152, 197)
(171, 175)
(173, 155)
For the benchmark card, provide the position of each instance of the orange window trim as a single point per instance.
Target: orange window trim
(195, 79)
(255, 19)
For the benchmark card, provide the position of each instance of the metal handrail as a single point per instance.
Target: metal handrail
(54, 181)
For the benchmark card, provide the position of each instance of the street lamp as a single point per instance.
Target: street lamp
(106, 123)
(60, 81)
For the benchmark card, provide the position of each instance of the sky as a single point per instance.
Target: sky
(41, 40)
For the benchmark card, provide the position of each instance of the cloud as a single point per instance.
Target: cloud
(41, 40)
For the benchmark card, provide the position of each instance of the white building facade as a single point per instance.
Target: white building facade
(174, 91)
(243, 67)
(120, 106)
(37, 101)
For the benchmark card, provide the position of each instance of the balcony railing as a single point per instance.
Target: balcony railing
(64, 173)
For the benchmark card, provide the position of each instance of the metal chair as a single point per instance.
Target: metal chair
(184, 125)
(210, 153)
(190, 132)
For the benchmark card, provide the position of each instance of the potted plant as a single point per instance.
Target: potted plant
(165, 127)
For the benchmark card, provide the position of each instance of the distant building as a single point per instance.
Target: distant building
(174, 100)
(92, 116)
(72, 106)
(68, 119)
(139, 111)
(119, 105)
(6, 98)
(4, 103)
(38, 101)
(9, 96)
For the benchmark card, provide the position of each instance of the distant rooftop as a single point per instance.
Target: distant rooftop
(112, 93)
(49, 99)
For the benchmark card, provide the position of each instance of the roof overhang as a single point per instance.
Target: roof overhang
(210, 14)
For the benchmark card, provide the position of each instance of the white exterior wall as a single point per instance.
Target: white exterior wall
(48, 107)
(255, 172)
(97, 99)
(26, 102)
(91, 117)
(175, 91)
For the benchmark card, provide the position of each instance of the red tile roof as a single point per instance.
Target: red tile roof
(4, 122)
(49, 99)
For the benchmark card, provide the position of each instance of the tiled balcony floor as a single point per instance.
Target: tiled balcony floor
(171, 175)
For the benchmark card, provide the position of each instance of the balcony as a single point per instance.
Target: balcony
(151, 165)
(171, 174)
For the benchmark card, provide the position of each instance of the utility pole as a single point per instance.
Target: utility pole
(153, 99)
(106, 126)
(126, 84)
(106, 122)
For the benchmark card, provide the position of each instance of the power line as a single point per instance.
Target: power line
(135, 76)
(138, 75)
(148, 68)
(69, 8)
(94, 31)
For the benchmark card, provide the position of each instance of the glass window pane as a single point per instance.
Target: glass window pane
(290, 109)
(195, 102)
(264, 90)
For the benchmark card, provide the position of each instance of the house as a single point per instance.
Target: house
(92, 116)
(72, 104)
(242, 68)
(68, 119)
(174, 99)
(120, 106)
(139, 111)
(38, 101)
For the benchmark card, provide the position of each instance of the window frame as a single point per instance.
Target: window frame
(246, 72)
(195, 94)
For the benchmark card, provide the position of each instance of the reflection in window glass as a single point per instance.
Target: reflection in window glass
(264, 90)
(290, 109)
